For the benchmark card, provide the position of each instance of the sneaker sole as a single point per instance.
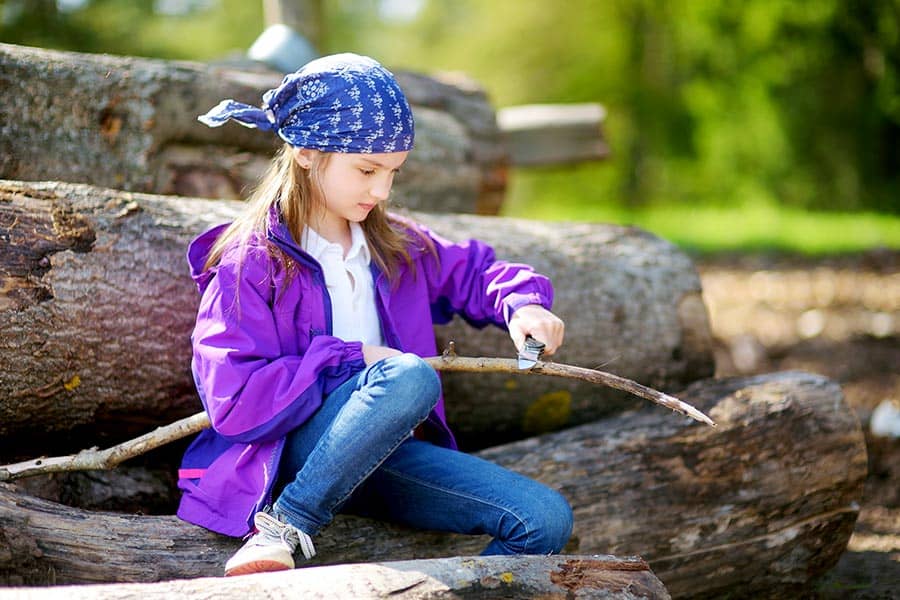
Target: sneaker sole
(257, 566)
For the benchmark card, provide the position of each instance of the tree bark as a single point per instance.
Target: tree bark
(303, 16)
(758, 507)
(96, 309)
(131, 124)
(544, 577)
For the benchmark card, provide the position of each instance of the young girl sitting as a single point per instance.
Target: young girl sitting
(316, 307)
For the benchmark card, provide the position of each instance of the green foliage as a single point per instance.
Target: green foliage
(710, 101)
(209, 30)
(706, 228)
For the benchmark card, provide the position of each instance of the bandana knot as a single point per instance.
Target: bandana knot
(340, 103)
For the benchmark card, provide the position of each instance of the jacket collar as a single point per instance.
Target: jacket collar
(278, 233)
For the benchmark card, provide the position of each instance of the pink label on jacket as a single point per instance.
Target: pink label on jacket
(191, 473)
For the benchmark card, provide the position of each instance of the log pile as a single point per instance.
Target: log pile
(96, 309)
(761, 504)
(131, 123)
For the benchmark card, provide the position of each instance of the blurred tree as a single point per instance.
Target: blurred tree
(174, 29)
(303, 16)
(710, 101)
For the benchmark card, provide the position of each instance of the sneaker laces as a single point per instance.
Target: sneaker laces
(273, 529)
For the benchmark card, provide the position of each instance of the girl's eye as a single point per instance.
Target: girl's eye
(367, 171)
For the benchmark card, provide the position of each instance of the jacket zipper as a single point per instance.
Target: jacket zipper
(387, 333)
(266, 500)
(305, 259)
(378, 277)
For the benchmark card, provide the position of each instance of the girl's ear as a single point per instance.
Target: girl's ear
(304, 157)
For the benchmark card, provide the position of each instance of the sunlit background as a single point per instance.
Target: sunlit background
(733, 126)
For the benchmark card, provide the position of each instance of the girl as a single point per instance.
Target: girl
(316, 307)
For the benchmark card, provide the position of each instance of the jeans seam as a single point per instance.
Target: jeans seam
(368, 471)
(364, 378)
(468, 496)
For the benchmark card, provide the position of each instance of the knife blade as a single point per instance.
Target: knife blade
(530, 353)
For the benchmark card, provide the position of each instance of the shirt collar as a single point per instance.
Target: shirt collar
(317, 246)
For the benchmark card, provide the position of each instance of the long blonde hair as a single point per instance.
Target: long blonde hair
(297, 192)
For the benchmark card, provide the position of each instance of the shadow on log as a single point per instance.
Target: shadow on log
(757, 508)
(96, 310)
(543, 577)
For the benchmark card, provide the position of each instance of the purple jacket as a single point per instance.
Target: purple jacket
(264, 356)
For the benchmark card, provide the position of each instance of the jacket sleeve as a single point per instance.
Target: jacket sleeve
(251, 391)
(466, 279)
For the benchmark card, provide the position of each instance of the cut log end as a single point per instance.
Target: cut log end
(32, 229)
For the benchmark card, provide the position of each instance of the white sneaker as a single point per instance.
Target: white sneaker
(271, 548)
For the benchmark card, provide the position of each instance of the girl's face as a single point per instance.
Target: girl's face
(353, 185)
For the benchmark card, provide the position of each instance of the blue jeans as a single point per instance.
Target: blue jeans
(356, 454)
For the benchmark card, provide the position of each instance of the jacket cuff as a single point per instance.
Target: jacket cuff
(514, 302)
(353, 351)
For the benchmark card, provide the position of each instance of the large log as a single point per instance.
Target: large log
(758, 507)
(131, 123)
(543, 577)
(553, 134)
(96, 308)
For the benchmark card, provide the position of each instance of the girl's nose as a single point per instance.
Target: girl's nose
(382, 189)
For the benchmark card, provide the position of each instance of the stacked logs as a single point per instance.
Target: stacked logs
(131, 124)
(96, 309)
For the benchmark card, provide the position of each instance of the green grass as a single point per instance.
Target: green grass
(752, 228)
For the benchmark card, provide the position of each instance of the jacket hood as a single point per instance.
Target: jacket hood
(198, 251)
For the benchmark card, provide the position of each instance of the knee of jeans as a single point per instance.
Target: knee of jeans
(552, 524)
(417, 377)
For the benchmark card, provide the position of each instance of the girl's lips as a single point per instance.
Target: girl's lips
(366, 206)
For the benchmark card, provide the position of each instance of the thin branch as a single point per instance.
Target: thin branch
(450, 362)
(94, 459)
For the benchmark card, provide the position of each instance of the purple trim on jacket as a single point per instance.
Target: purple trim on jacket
(264, 356)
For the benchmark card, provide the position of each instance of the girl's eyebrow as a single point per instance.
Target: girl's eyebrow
(372, 161)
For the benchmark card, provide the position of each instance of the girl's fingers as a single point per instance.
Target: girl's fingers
(541, 324)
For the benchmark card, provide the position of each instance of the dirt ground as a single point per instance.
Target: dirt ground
(839, 317)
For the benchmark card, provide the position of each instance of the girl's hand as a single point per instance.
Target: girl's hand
(372, 354)
(540, 323)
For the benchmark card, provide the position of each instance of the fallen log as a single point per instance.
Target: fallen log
(96, 309)
(758, 507)
(131, 123)
(94, 459)
(544, 577)
(132, 488)
(553, 134)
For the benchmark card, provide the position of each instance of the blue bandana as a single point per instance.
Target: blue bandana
(339, 103)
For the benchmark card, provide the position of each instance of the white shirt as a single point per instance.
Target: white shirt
(350, 285)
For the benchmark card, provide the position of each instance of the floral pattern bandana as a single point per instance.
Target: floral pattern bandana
(338, 103)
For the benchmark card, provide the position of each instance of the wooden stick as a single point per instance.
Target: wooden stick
(451, 362)
(94, 459)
